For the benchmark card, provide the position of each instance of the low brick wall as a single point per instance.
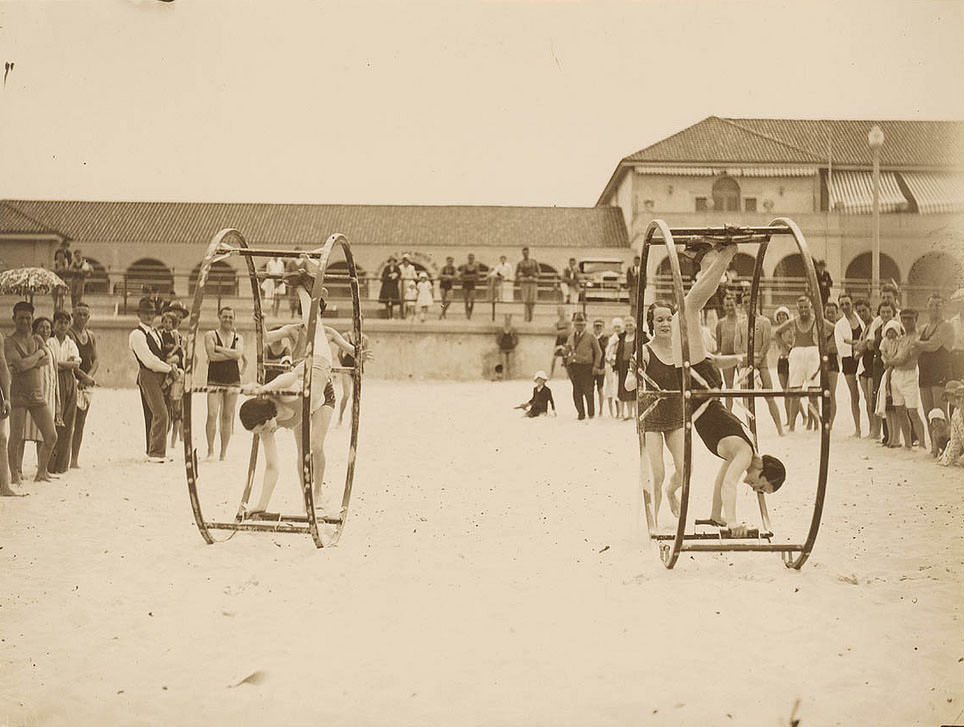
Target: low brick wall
(440, 350)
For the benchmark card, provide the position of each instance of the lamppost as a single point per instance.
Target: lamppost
(875, 139)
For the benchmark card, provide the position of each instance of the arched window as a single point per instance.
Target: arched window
(97, 282)
(930, 273)
(148, 273)
(744, 265)
(337, 284)
(726, 195)
(222, 280)
(862, 267)
(664, 276)
(548, 285)
(937, 270)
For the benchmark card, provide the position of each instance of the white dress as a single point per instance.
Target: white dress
(425, 296)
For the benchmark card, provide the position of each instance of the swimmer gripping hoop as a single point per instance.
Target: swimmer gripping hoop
(308, 522)
(671, 545)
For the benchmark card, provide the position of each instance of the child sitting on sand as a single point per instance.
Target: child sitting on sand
(541, 399)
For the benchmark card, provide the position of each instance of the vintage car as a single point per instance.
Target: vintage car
(603, 279)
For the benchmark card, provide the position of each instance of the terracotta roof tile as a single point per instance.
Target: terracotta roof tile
(785, 141)
(402, 227)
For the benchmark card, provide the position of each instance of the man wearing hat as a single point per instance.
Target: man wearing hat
(145, 344)
(954, 451)
(584, 362)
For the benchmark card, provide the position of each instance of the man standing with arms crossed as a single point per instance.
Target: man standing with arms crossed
(226, 364)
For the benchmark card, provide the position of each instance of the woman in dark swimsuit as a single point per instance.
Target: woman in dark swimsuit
(935, 361)
(663, 422)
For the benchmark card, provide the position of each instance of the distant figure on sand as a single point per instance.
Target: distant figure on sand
(226, 363)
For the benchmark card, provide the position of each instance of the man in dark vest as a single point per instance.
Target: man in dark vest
(145, 344)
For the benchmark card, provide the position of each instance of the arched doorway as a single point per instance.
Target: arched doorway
(147, 273)
(222, 280)
(726, 195)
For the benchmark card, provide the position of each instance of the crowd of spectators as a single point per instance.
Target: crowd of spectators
(903, 368)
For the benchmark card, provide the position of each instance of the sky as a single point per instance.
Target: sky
(434, 103)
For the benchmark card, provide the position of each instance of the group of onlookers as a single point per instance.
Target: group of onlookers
(47, 369)
(901, 367)
(411, 291)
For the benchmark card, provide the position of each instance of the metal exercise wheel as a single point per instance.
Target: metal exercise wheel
(229, 242)
(671, 545)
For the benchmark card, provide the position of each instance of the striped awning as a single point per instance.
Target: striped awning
(728, 171)
(852, 193)
(935, 192)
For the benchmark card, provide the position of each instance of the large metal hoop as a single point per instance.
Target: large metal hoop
(793, 556)
(217, 250)
(313, 319)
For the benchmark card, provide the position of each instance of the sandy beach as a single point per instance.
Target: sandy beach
(493, 571)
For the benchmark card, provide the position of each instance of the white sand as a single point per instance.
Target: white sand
(472, 586)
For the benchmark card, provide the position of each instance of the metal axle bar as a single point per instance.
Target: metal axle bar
(257, 527)
(272, 517)
(738, 393)
(264, 252)
(751, 535)
(723, 547)
(727, 231)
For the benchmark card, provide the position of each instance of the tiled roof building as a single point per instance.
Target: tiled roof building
(819, 173)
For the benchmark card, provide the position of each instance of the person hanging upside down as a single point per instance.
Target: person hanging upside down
(721, 431)
(265, 415)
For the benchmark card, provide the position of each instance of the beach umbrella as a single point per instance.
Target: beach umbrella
(28, 282)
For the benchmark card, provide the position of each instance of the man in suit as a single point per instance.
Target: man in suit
(145, 344)
(585, 360)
